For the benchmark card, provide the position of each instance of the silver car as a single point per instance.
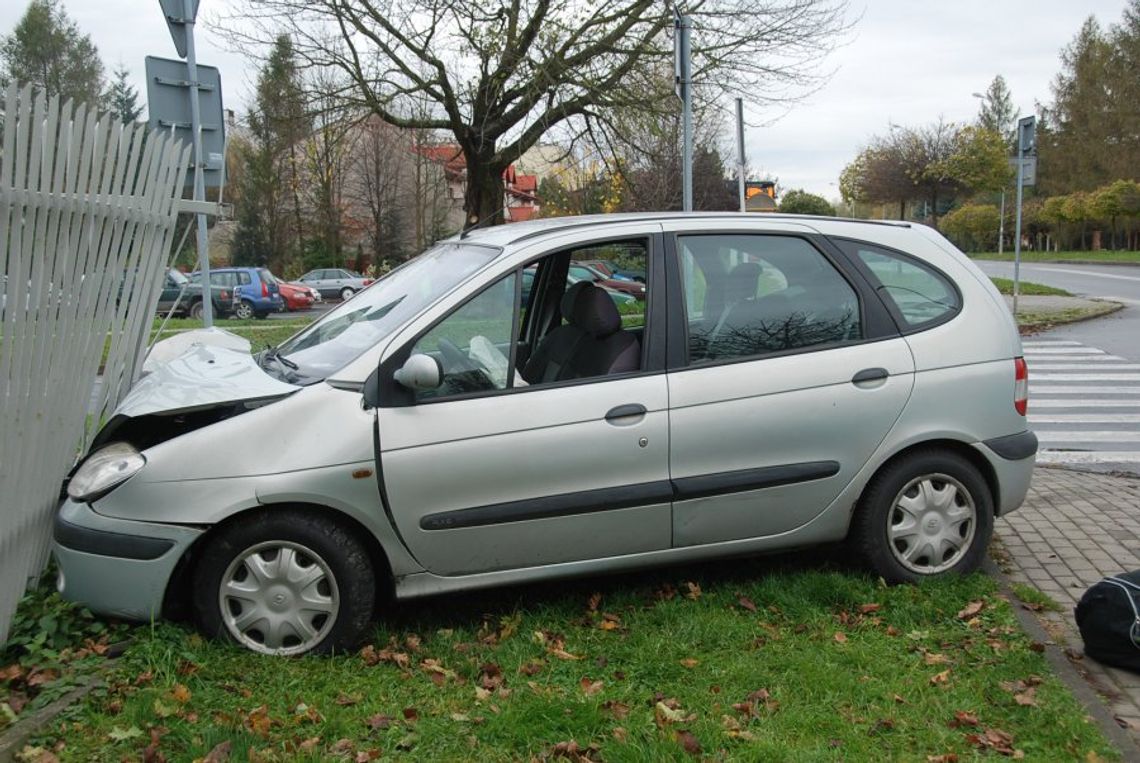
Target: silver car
(332, 283)
(791, 381)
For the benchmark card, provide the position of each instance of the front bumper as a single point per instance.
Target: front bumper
(113, 566)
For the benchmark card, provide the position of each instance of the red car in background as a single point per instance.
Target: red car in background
(296, 297)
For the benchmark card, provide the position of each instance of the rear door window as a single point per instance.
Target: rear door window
(920, 294)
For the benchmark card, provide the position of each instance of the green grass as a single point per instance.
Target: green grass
(1034, 599)
(1032, 321)
(1032, 256)
(1005, 286)
(836, 665)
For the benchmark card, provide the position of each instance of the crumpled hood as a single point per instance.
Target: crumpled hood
(201, 377)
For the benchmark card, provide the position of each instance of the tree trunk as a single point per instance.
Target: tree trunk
(483, 198)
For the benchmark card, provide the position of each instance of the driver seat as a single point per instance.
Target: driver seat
(591, 343)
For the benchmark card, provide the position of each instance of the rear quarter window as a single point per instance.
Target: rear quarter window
(918, 293)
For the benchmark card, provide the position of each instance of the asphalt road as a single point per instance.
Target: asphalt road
(1084, 378)
(1118, 333)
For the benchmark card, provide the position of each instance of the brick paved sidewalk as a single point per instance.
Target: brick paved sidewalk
(1074, 529)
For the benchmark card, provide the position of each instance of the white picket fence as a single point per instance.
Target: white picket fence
(87, 213)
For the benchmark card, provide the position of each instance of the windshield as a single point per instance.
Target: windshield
(375, 312)
(267, 276)
(178, 277)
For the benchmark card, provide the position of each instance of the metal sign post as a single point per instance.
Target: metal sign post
(740, 150)
(682, 50)
(1026, 150)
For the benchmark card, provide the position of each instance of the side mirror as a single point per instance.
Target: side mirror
(420, 372)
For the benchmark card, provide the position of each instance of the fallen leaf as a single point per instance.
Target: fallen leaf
(590, 687)
(899, 700)
(411, 714)
(531, 668)
(309, 745)
(619, 710)
(180, 694)
(346, 700)
(219, 753)
(949, 757)
(841, 638)
(669, 711)
(482, 694)
(866, 609)
(745, 602)
(118, 734)
(1026, 698)
(258, 721)
(935, 659)
(620, 734)
(688, 741)
(962, 718)
(594, 601)
(562, 654)
(162, 710)
(971, 610)
(690, 662)
(940, 678)
(379, 722)
(692, 591)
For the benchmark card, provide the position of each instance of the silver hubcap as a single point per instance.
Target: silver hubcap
(931, 524)
(278, 598)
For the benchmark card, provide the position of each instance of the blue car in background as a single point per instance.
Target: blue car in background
(256, 289)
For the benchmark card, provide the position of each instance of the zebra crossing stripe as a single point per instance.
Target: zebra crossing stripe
(1104, 435)
(1033, 359)
(1084, 367)
(1035, 403)
(1088, 457)
(1086, 418)
(1086, 377)
(1046, 389)
(1051, 343)
(1062, 350)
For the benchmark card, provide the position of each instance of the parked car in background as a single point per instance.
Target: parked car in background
(797, 381)
(258, 293)
(612, 270)
(185, 296)
(296, 296)
(583, 272)
(335, 282)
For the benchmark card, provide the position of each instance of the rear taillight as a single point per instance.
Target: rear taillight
(1020, 385)
(264, 289)
(225, 294)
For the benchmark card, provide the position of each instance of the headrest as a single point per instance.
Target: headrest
(743, 281)
(591, 309)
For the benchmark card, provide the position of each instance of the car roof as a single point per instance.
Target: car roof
(504, 235)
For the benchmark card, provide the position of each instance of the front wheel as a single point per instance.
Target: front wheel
(929, 513)
(285, 582)
(346, 293)
(244, 310)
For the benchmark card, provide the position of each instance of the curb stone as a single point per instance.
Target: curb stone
(13, 739)
(1055, 655)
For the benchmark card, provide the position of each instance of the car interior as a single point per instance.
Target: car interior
(566, 329)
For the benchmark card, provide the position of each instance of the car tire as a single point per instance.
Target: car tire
(196, 310)
(928, 513)
(321, 602)
(346, 293)
(244, 310)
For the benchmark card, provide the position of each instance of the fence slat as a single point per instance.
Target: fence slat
(87, 206)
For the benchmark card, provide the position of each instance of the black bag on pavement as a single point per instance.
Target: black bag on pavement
(1109, 618)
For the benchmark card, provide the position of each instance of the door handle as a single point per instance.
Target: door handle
(869, 375)
(625, 411)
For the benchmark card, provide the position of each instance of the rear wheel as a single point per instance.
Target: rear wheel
(929, 513)
(196, 310)
(286, 583)
(346, 293)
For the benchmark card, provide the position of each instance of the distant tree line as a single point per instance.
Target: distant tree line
(1088, 142)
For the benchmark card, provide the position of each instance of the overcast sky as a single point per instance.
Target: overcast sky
(906, 62)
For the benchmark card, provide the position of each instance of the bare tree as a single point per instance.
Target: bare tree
(500, 74)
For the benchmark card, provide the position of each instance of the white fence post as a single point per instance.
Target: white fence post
(87, 212)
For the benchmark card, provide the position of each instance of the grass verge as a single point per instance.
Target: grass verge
(751, 660)
(1032, 322)
(1032, 256)
(1005, 286)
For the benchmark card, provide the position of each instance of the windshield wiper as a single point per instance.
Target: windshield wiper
(271, 353)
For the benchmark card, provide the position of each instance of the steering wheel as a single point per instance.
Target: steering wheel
(456, 360)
